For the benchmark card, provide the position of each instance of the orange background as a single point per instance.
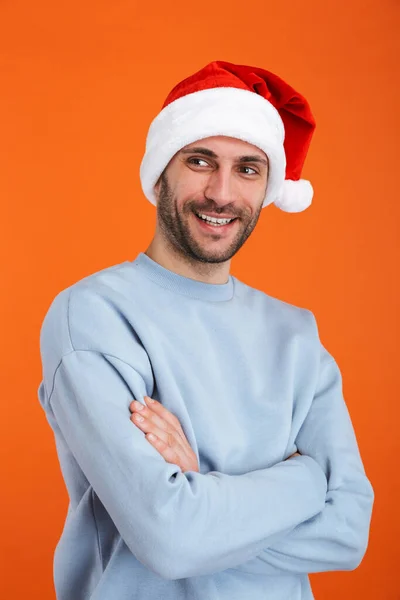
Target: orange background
(80, 83)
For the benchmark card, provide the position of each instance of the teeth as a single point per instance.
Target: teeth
(213, 220)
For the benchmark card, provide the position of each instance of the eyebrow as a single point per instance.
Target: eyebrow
(207, 152)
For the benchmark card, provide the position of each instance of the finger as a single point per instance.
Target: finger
(169, 435)
(186, 463)
(168, 453)
(144, 411)
(168, 445)
(163, 429)
(294, 454)
(165, 414)
(148, 426)
(158, 409)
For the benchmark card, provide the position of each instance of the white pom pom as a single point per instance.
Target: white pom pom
(295, 196)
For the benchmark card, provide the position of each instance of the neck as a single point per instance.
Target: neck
(169, 258)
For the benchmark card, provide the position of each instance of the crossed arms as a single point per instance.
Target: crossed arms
(337, 537)
(307, 514)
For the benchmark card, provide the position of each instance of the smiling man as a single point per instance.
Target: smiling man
(200, 423)
(208, 205)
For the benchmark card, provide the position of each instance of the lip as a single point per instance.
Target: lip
(220, 229)
(217, 216)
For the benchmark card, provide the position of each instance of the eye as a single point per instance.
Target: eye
(254, 171)
(195, 161)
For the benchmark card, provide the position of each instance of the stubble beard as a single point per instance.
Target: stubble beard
(177, 232)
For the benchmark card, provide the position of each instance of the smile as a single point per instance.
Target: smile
(214, 221)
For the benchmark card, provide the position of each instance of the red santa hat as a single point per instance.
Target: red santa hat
(248, 103)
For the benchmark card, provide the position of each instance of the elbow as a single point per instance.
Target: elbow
(167, 556)
(163, 544)
(356, 552)
(171, 571)
(181, 557)
(176, 562)
(360, 548)
(163, 564)
(353, 557)
(354, 540)
(345, 553)
(165, 567)
(157, 557)
(169, 566)
(353, 553)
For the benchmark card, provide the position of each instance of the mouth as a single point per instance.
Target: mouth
(214, 224)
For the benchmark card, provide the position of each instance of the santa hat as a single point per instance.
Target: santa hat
(243, 102)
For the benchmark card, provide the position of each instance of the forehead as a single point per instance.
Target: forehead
(226, 146)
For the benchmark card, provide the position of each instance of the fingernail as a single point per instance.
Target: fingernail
(149, 399)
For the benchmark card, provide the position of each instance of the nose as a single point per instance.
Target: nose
(220, 186)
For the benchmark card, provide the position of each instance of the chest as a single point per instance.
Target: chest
(232, 389)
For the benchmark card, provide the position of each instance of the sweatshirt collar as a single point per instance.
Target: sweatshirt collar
(180, 284)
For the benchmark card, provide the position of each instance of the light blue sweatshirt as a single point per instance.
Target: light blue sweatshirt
(250, 382)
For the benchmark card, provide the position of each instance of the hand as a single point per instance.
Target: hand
(169, 439)
(294, 454)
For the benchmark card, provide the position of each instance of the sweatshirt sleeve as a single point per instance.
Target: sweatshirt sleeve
(337, 537)
(154, 504)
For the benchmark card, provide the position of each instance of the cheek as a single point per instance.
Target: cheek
(189, 190)
(252, 198)
(255, 192)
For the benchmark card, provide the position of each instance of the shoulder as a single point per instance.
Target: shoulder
(284, 315)
(85, 313)
(291, 330)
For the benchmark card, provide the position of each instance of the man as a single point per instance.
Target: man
(243, 475)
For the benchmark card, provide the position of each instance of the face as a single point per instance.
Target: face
(218, 177)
